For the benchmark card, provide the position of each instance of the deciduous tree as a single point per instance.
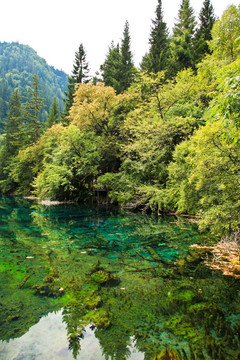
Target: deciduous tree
(225, 42)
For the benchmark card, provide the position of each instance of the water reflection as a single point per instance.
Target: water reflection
(120, 279)
(48, 340)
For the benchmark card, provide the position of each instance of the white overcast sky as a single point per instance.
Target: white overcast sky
(55, 28)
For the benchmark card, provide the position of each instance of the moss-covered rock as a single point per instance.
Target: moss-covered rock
(182, 296)
(99, 318)
(182, 328)
(49, 290)
(102, 277)
(93, 301)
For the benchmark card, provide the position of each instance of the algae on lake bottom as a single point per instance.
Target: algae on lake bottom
(130, 278)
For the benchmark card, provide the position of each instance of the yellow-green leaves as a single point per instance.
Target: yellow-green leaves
(92, 107)
(225, 41)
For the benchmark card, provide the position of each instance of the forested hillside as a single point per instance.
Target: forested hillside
(18, 63)
(169, 141)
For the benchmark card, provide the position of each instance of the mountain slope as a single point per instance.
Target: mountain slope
(18, 63)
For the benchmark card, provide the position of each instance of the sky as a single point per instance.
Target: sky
(56, 28)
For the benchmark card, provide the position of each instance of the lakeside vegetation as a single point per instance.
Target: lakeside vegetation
(163, 137)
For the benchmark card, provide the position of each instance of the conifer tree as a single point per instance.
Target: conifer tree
(156, 59)
(118, 68)
(80, 67)
(203, 33)
(13, 142)
(111, 68)
(34, 103)
(183, 40)
(79, 76)
(13, 128)
(127, 65)
(186, 19)
(54, 114)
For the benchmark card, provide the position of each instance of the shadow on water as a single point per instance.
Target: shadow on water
(109, 285)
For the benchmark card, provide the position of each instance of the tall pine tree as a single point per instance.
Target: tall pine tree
(127, 66)
(156, 59)
(182, 43)
(54, 114)
(34, 103)
(79, 75)
(203, 34)
(111, 68)
(118, 68)
(80, 66)
(13, 127)
(12, 143)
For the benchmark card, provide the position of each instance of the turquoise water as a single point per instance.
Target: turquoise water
(85, 283)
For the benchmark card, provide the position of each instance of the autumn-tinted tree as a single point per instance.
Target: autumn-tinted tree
(156, 59)
(203, 33)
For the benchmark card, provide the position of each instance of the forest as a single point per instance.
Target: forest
(18, 63)
(163, 137)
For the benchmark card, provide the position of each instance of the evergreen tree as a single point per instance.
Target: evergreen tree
(34, 103)
(13, 141)
(127, 74)
(13, 128)
(80, 67)
(118, 68)
(157, 58)
(68, 98)
(54, 114)
(186, 19)
(183, 40)
(111, 68)
(203, 33)
(79, 76)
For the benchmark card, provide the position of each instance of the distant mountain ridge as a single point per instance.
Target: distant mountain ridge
(18, 63)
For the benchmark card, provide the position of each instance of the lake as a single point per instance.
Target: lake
(80, 282)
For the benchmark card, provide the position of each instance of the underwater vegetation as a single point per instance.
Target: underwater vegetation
(132, 278)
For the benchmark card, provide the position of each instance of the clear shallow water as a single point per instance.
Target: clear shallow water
(85, 283)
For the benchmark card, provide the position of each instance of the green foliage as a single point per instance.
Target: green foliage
(18, 63)
(126, 60)
(182, 43)
(34, 103)
(118, 69)
(70, 167)
(203, 178)
(164, 144)
(159, 44)
(80, 66)
(203, 32)
(225, 42)
(79, 76)
(111, 68)
(54, 114)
